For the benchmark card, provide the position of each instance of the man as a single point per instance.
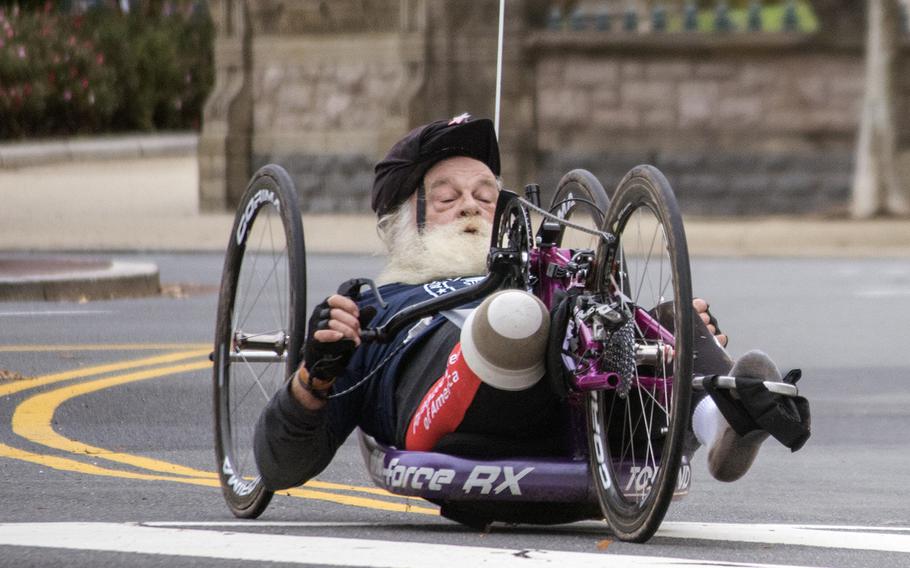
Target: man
(435, 194)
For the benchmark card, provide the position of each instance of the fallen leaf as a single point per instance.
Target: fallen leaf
(602, 545)
(6, 375)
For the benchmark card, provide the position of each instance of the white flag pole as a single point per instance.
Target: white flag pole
(502, 17)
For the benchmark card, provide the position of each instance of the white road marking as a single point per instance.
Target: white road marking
(851, 537)
(860, 528)
(259, 524)
(132, 538)
(882, 292)
(54, 313)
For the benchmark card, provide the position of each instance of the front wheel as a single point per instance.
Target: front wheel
(261, 318)
(636, 431)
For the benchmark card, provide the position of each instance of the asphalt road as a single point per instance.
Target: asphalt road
(117, 381)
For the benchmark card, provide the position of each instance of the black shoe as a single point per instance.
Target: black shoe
(731, 455)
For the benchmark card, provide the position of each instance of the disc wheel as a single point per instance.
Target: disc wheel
(579, 198)
(260, 326)
(636, 433)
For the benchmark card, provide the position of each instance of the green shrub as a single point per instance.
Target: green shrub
(64, 74)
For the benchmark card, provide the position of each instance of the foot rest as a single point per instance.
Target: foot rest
(728, 382)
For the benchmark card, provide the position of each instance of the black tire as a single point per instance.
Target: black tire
(260, 328)
(646, 426)
(580, 195)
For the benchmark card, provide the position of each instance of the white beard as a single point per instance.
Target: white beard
(456, 249)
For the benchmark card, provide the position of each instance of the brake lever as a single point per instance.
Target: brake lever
(351, 289)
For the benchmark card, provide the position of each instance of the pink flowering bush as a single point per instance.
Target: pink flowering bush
(103, 71)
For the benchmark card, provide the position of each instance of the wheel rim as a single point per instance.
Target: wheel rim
(255, 353)
(640, 417)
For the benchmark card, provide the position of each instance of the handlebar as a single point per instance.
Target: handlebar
(412, 314)
(502, 263)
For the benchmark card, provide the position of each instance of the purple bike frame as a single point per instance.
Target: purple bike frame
(438, 476)
(443, 477)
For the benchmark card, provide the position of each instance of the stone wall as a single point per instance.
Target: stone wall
(740, 123)
(766, 125)
(325, 110)
(224, 145)
(332, 84)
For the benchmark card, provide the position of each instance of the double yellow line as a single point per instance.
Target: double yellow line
(33, 419)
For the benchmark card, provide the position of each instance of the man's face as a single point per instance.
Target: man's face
(458, 188)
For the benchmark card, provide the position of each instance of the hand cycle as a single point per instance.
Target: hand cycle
(620, 356)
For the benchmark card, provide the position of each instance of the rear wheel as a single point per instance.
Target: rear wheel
(636, 431)
(581, 199)
(261, 319)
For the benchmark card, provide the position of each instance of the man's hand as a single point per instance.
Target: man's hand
(340, 319)
(701, 308)
(333, 333)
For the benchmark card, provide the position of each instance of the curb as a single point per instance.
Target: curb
(60, 279)
(18, 155)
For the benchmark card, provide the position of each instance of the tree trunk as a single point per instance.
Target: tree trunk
(877, 187)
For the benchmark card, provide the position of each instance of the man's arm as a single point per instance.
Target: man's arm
(293, 441)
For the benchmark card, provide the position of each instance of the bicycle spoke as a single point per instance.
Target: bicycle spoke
(664, 408)
(649, 423)
(254, 284)
(647, 261)
(256, 380)
(645, 412)
(242, 290)
(261, 289)
(277, 257)
(244, 311)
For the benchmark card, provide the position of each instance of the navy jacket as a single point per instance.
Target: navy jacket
(293, 444)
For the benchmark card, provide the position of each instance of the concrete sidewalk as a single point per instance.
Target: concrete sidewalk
(146, 200)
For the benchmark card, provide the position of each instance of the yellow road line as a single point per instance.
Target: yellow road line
(357, 488)
(16, 386)
(364, 502)
(65, 464)
(33, 417)
(103, 347)
(33, 421)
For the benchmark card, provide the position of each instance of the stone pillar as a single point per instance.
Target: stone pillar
(325, 88)
(518, 128)
(334, 85)
(224, 144)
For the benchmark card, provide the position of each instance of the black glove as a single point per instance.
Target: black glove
(713, 321)
(327, 360)
(786, 418)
